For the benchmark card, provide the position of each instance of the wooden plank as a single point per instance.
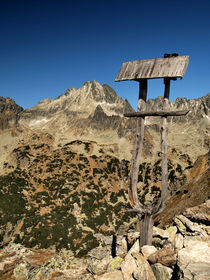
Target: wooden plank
(156, 114)
(168, 67)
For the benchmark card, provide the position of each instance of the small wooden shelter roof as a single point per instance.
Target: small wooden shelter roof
(170, 67)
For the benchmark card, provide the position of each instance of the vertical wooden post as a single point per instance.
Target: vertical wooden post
(164, 191)
(138, 146)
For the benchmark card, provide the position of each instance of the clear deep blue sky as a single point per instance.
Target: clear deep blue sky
(48, 46)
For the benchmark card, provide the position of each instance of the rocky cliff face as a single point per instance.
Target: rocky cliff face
(66, 165)
(9, 113)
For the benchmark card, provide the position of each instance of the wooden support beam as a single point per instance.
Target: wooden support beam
(134, 171)
(156, 114)
(164, 192)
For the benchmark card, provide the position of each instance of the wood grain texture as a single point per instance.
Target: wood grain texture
(138, 146)
(156, 114)
(169, 67)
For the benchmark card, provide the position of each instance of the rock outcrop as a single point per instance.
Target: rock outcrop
(188, 261)
(9, 113)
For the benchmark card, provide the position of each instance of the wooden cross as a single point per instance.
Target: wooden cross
(170, 68)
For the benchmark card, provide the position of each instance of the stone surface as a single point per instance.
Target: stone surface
(115, 264)
(200, 213)
(179, 224)
(135, 266)
(100, 252)
(128, 267)
(115, 275)
(148, 251)
(194, 261)
(189, 224)
(166, 256)
(172, 230)
(179, 241)
(162, 272)
(158, 232)
(98, 266)
(143, 269)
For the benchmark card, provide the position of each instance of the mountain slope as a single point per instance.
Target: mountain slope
(65, 166)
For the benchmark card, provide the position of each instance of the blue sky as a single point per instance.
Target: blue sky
(48, 46)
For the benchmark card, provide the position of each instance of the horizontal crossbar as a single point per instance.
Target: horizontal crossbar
(156, 114)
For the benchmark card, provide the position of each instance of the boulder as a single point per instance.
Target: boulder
(135, 266)
(98, 267)
(128, 265)
(199, 213)
(189, 239)
(178, 241)
(143, 269)
(158, 242)
(148, 251)
(180, 226)
(172, 230)
(122, 247)
(115, 264)
(186, 226)
(166, 256)
(163, 234)
(159, 238)
(162, 272)
(194, 261)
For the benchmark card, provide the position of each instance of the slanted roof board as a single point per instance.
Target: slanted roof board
(170, 67)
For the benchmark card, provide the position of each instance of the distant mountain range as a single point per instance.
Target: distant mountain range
(65, 163)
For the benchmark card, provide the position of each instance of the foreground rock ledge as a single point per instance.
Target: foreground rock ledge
(182, 252)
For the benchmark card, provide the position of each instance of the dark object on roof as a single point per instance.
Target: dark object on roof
(167, 67)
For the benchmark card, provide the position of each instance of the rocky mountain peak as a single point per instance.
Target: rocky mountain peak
(199, 108)
(9, 112)
(82, 102)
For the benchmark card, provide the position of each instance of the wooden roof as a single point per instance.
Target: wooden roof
(170, 67)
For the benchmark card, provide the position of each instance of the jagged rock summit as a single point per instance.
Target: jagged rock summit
(81, 113)
(9, 113)
(82, 102)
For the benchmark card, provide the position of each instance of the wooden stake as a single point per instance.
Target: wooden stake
(164, 192)
(138, 148)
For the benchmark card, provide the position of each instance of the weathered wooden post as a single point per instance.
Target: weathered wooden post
(170, 68)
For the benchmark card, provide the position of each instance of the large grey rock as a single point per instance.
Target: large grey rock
(128, 265)
(199, 213)
(194, 261)
(162, 272)
(115, 264)
(135, 266)
(143, 269)
(159, 237)
(186, 226)
(172, 230)
(98, 260)
(179, 241)
(148, 250)
(166, 256)
(99, 253)
(98, 267)
(160, 233)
